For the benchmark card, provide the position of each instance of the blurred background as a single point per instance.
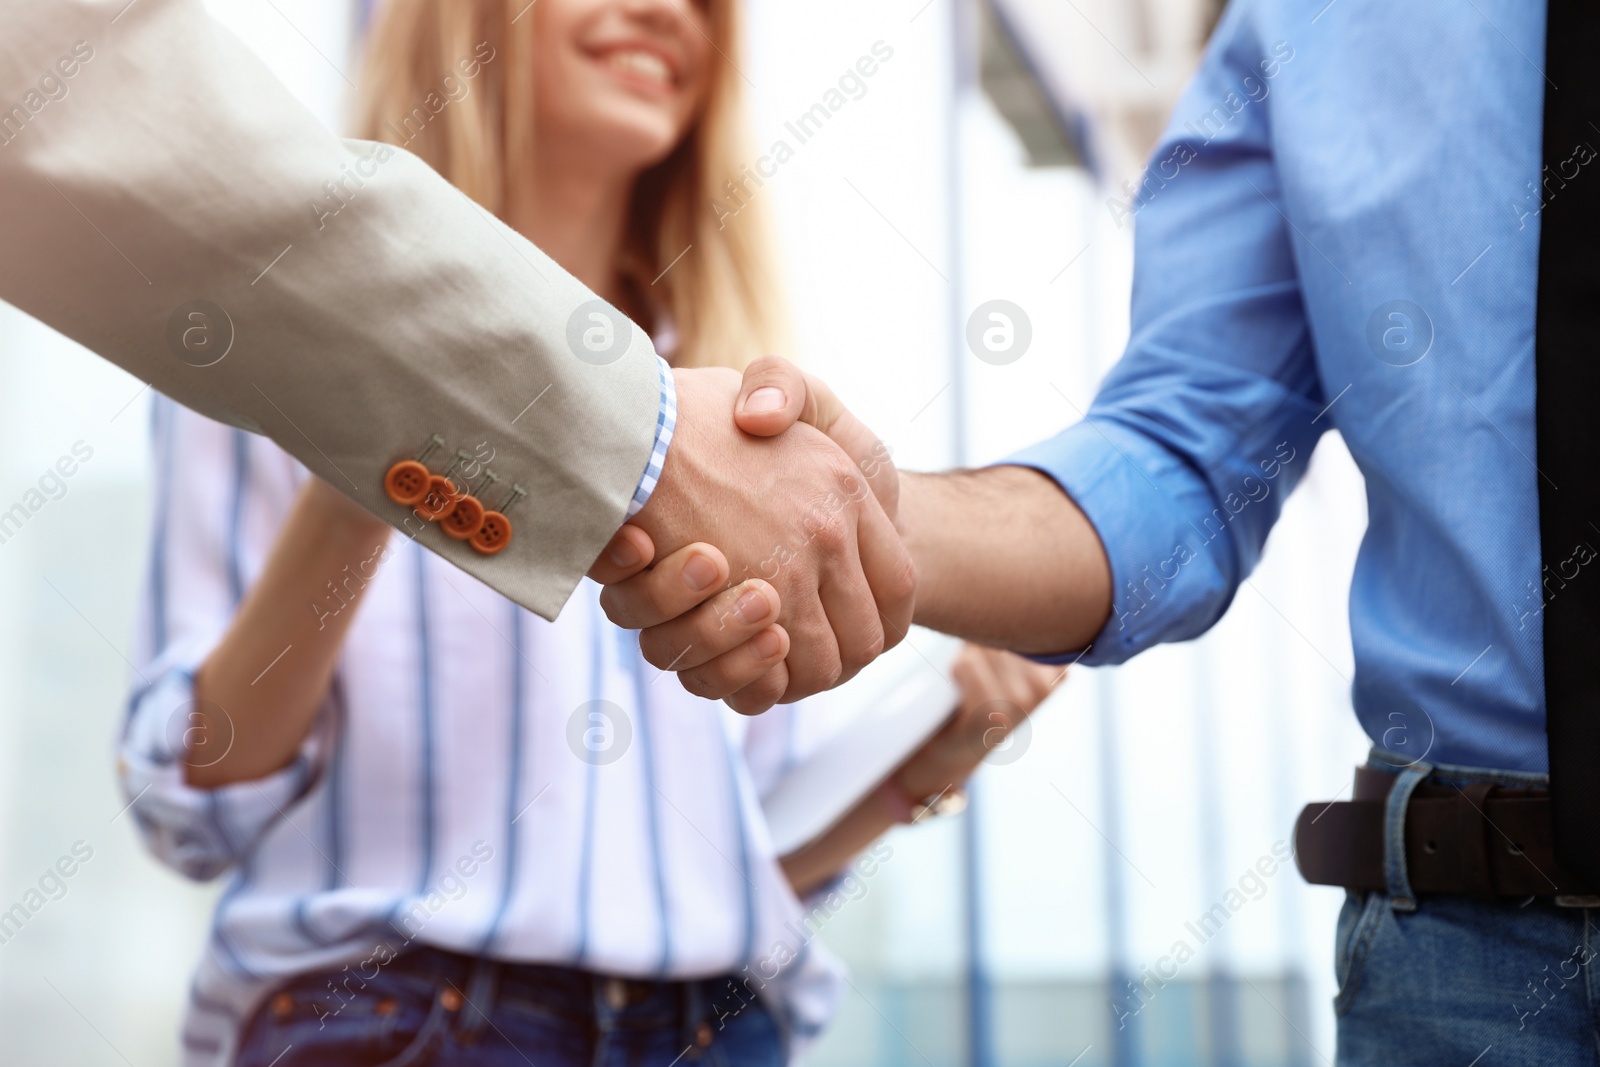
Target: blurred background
(981, 164)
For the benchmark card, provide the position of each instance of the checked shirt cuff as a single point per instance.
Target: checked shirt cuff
(666, 423)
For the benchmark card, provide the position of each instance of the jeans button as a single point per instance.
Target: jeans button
(615, 991)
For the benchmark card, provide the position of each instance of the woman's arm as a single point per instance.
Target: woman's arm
(260, 688)
(998, 691)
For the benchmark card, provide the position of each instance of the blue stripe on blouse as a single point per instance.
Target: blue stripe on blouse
(652, 808)
(586, 848)
(428, 798)
(241, 477)
(513, 783)
(161, 428)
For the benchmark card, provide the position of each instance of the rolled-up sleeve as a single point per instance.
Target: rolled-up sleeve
(198, 832)
(1208, 421)
(220, 498)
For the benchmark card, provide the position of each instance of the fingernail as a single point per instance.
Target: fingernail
(752, 608)
(765, 400)
(700, 573)
(626, 554)
(766, 644)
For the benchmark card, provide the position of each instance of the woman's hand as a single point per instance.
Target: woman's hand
(999, 690)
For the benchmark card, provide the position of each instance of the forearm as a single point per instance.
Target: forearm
(823, 858)
(1005, 558)
(261, 687)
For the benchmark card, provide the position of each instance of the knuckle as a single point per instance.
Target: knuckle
(653, 646)
(717, 678)
(876, 643)
(859, 655)
(746, 704)
(723, 617)
(764, 368)
(697, 684)
(830, 533)
(903, 582)
(830, 673)
(615, 604)
(760, 695)
(798, 691)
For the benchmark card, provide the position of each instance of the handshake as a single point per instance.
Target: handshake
(772, 560)
(808, 580)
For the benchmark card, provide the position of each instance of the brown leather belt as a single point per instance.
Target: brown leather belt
(1482, 840)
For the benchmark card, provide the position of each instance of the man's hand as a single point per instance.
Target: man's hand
(1048, 592)
(822, 581)
(775, 394)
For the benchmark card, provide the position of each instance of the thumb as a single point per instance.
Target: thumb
(776, 394)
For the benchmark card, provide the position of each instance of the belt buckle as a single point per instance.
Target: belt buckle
(616, 993)
(1577, 900)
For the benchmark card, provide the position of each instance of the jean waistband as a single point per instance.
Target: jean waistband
(611, 1001)
(1382, 759)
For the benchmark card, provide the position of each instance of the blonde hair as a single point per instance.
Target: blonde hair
(721, 297)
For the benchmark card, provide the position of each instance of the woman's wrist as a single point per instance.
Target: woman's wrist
(893, 801)
(341, 516)
(917, 782)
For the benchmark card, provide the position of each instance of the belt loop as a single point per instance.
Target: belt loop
(1401, 898)
(482, 988)
(694, 1009)
(608, 997)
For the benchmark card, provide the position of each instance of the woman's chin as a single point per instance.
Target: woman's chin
(634, 146)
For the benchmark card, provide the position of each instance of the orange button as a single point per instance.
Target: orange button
(407, 482)
(493, 535)
(465, 520)
(439, 499)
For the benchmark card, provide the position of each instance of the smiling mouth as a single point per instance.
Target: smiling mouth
(645, 66)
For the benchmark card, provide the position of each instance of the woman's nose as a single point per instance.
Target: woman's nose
(661, 14)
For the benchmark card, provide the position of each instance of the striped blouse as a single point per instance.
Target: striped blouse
(478, 779)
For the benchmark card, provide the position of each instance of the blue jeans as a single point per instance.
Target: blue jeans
(431, 1008)
(1453, 980)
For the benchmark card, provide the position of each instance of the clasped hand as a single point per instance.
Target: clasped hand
(807, 580)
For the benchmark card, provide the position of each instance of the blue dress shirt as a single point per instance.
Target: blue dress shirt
(1340, 228)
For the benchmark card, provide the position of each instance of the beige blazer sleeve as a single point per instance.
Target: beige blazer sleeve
(164, 202)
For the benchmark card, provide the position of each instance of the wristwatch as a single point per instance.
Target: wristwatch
(949, 801)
